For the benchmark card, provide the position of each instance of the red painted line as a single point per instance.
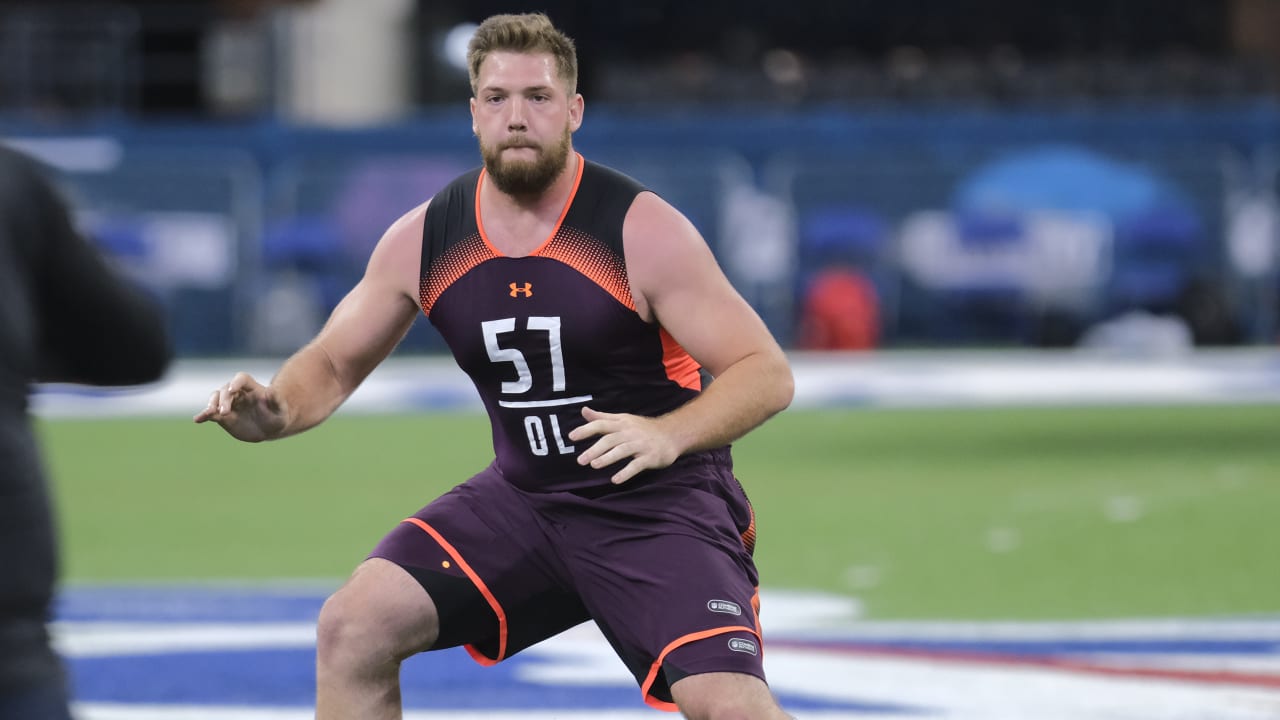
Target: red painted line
(1209, 677)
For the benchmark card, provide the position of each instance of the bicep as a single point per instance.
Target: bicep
(373, 318)
(684, 289)
(364, 328)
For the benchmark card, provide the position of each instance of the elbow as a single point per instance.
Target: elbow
(784, 385)
(143, 360)
(152, 351)
(151, 365)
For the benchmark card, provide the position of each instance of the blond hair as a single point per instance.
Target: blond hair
(527, 33)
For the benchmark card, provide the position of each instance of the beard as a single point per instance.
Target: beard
(525, 177)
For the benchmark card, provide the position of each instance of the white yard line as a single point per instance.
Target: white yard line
(880, 379)
(930, 684)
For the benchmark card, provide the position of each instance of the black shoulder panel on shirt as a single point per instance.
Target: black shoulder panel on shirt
(451, 217)
(601, 204)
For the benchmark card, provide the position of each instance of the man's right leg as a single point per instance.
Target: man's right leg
(381, 616)
(472, 568)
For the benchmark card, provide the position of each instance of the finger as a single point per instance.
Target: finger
(591, 415)
(600, 447)
(209, 410)
(591, 429)
(224, 399)
(242, 385)
(618, 453)
(633, 468)
(240, 382)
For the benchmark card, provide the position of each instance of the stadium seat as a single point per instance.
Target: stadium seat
(121, 238)
(1156, 255)
(307, 243)
(307, 249)
(849, 235)
(992, 305)
(988, 230)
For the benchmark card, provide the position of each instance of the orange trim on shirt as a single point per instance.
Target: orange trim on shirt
(451, 265)
(593, 259)
(574, 248)
(749, 535)
(480, 223)
(649, 679)
(577, 180)
(682, 369)
(564, 211)
(484, 590)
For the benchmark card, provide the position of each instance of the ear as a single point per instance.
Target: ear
(576, 108)
(475, 130)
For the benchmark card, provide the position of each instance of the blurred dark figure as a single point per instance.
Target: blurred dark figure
(1203, 304)
(65, 316)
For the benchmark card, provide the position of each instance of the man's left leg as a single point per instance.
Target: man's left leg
(726, 696)
(665, 568)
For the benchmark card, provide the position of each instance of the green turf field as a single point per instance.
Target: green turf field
(974, 513)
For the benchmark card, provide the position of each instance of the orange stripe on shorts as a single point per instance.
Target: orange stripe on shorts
(484, 590)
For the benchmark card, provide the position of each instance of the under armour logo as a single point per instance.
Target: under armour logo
(527, 290)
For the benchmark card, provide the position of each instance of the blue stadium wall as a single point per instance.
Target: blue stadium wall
(180, 168)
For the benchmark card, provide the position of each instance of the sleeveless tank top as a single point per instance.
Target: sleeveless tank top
(543, 335)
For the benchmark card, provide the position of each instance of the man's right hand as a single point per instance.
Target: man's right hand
(246, 409)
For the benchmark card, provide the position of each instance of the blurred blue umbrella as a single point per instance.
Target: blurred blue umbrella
(1067, 178)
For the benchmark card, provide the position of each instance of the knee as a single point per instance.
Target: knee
(342, 636)
(348, 636)
(376, 620)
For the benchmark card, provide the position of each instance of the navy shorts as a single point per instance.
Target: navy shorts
(662, 564)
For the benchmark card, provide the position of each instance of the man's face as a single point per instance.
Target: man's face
(523, 119)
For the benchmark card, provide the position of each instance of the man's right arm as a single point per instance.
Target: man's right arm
(362, 331)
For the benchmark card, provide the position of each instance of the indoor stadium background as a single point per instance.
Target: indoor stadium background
(1023, 255)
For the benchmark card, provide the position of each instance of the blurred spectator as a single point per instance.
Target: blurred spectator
(1203, 305)
(65, 316)
(840, 312)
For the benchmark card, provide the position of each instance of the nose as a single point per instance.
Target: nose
(516, 121)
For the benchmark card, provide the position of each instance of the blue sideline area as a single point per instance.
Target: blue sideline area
(278, 673)
(248, 651)
(250, 232)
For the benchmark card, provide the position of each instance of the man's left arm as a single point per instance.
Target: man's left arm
(676, 282)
